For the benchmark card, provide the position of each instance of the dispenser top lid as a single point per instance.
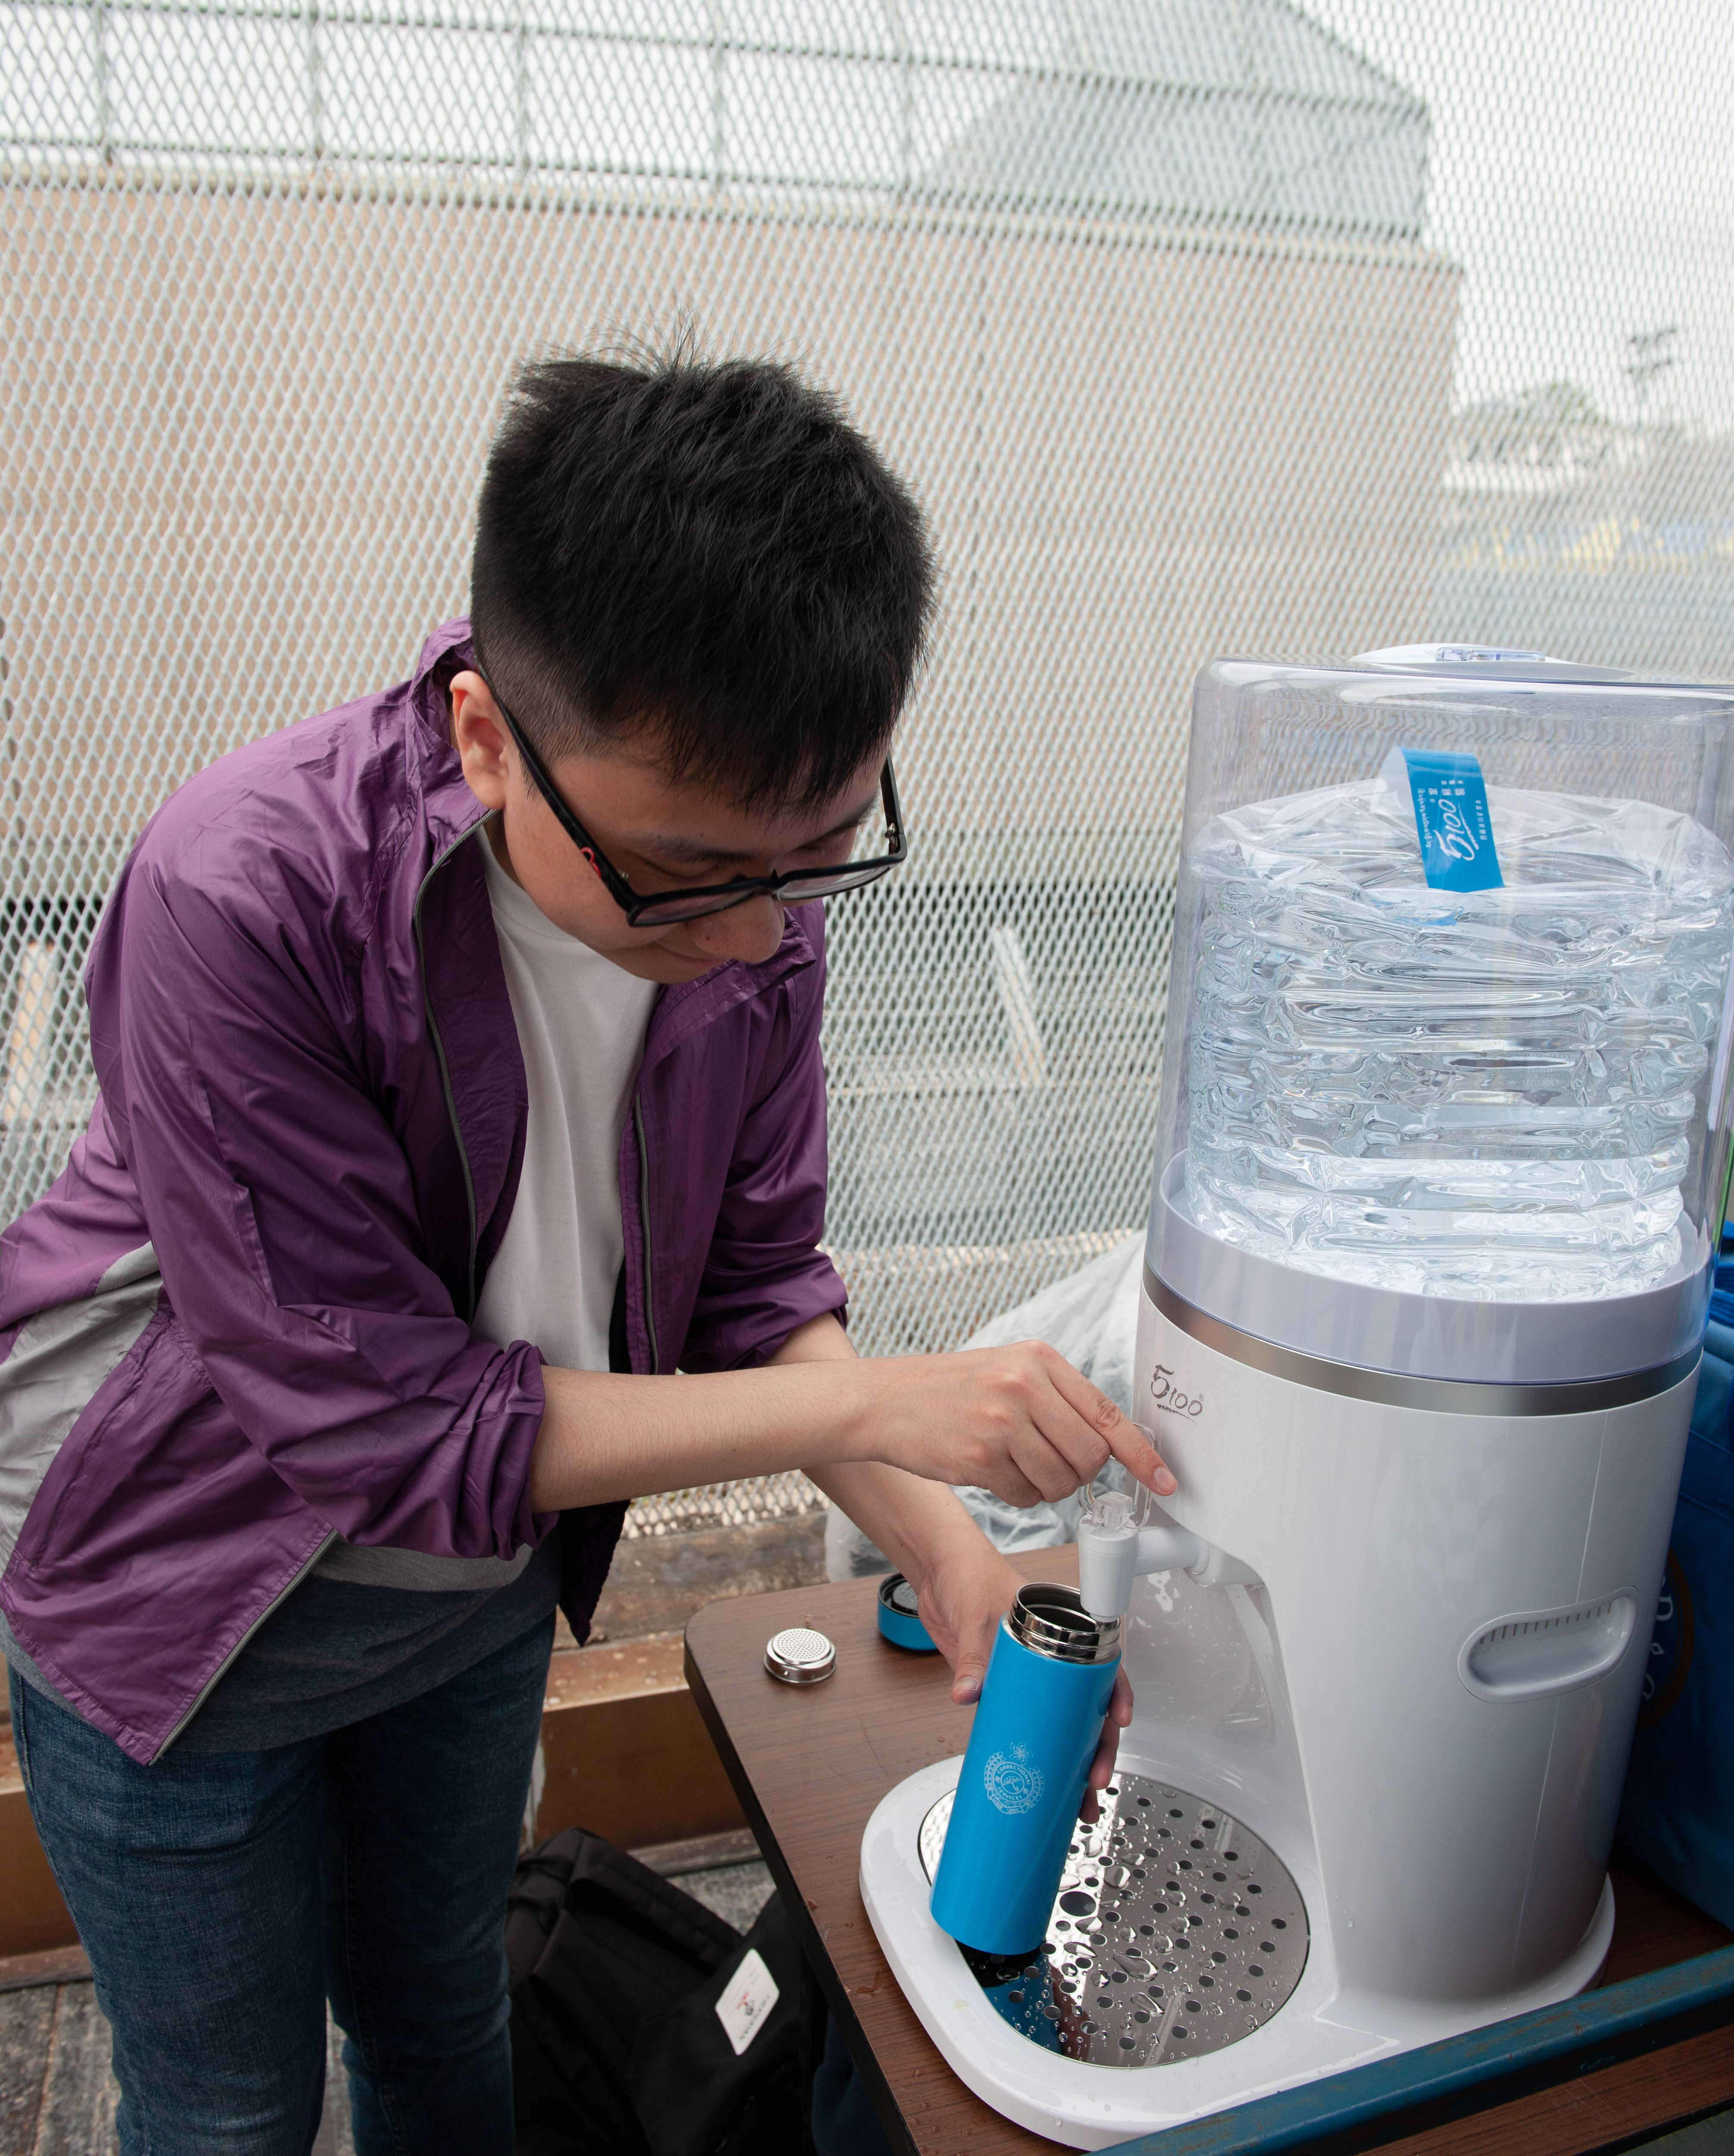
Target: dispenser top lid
(1493, 662)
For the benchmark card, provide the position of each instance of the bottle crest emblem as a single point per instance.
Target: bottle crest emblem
(1012, 1781)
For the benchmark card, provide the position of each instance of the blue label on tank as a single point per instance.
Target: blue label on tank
(1452, 820)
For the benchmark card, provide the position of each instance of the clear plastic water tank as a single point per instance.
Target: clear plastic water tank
(1448, 1024)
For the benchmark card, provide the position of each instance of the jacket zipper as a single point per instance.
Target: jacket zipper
(637, 1124)
(221, 1670)
(445, 1076)
(451, 1109)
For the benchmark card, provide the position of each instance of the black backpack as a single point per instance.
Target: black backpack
(618, 2047)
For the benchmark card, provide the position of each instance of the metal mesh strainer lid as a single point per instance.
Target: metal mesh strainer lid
(799, 1656)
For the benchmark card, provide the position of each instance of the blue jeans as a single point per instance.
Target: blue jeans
(223, 1897)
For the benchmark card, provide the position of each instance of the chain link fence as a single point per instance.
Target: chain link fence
(1199, 325)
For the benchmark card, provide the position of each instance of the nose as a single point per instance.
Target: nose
(751, 931)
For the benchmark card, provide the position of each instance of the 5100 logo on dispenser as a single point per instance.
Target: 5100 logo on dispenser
(1168, 1396)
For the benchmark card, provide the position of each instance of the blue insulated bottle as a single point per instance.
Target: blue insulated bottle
(1036, 1730)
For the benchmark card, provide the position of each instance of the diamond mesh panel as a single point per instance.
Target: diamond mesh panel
(1199, 325)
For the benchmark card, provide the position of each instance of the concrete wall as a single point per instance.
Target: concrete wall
(242, 434)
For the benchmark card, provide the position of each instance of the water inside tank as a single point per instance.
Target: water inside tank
(1495, 1094)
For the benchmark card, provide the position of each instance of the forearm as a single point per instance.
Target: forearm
(915, 1522)
(608, 1436)
(605, 1436)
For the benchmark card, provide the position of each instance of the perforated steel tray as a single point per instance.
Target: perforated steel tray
(1175, 1931)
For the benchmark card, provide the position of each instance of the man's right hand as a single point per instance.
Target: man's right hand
(1019, 1421)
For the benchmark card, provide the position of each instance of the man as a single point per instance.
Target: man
(459, 1086)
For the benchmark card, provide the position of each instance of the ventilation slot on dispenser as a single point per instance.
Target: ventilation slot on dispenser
(1545, 1650)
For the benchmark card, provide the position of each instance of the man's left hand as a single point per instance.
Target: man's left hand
(962, 1602)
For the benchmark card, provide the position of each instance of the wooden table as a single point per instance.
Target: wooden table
(809, 1765)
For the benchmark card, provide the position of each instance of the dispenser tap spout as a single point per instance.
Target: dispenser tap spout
(1114, 1550)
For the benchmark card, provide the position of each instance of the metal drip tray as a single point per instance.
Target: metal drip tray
(1175, 1931)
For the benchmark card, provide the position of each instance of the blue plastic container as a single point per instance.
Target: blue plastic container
(1036, 1730)
(1679, 1813)
(900, 1617)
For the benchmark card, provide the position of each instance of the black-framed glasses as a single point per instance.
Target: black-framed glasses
(662, 907)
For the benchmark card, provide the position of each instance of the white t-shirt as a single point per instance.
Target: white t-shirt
(581, 1026)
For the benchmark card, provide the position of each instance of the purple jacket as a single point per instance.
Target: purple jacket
(238, 1324)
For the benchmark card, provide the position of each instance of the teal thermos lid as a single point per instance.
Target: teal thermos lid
(900, 1617)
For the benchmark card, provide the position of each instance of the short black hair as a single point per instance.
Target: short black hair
(710, 550)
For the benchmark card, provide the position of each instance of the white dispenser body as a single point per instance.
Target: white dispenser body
(1457, 1604)
(1423, 1705)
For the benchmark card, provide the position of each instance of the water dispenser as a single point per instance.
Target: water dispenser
(1440, 1161)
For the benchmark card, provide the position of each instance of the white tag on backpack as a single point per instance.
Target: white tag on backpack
(743, 2007)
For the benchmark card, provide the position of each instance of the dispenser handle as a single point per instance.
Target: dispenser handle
(1536, 1651)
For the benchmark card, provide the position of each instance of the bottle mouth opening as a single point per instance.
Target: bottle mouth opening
(1051, 1621)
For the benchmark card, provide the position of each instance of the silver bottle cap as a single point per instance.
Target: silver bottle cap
(800, 1656)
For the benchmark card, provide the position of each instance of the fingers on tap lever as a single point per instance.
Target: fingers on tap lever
(1106, 1427)
(1130, 1443)
(1140, 1457)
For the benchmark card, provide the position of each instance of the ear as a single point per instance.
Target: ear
(479, 737)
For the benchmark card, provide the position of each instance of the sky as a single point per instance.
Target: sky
(1582, 174)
